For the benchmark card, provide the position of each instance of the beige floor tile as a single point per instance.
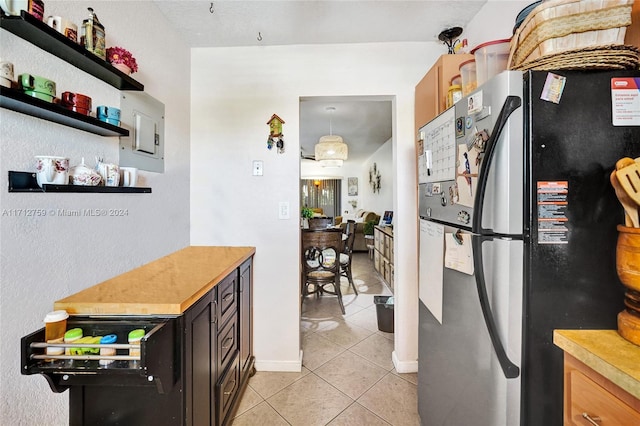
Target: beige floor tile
(316, 350)
(386, 335)
(268, 383)
(327, 306)
(376, 349)
(357, 415)
(262, 414)
(344, 333)
(309, 401)
(409, 377)
(394, 399)
(250, 398)
(366, 318)
(351, 374)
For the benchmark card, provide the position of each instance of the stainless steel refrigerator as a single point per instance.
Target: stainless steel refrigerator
(517, 238)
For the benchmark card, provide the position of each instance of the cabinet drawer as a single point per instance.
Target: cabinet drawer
(227, 389)
(227, 344)
(227, 298)
(588, 397)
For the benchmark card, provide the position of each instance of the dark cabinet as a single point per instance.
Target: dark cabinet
(191, 371)
(199, 364)
(246, 319)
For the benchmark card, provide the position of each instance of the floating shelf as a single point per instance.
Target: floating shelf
(46, 38)
(26, 182)
(16, 100)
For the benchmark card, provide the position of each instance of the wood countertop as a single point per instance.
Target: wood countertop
(167, 286)
(606, 352)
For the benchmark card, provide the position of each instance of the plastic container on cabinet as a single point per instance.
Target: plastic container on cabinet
(468, 73)
(491, 59)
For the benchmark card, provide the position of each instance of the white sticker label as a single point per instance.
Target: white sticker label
(625, 101)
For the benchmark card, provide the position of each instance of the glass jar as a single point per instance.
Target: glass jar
(454, 94)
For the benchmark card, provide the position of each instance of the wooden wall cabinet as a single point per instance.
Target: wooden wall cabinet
(383, 253)
(431, 91)
(590, 398)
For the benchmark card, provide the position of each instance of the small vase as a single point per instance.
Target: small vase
(124, 68)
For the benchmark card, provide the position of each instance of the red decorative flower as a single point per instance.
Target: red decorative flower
(119, 55)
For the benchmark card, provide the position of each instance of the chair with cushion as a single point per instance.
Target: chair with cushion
(347, 253)
(321, 263)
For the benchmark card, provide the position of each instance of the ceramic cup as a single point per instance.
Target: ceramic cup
(52, 170)
(76, 102)
(110, 173)
(109, 115)
(6, 74)
(128, 176)
(64, 26)
(13, 7)
(38, 84)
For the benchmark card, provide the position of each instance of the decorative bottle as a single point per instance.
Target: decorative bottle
(92, 35)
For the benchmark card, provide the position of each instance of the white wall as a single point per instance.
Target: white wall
(234, 92)
(43, 259)
(381, 200)
(494, 21)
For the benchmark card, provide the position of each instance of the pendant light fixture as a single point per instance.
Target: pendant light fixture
(331, 150)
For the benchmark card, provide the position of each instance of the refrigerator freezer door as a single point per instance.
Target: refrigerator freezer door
(460, 380)
(451, 199)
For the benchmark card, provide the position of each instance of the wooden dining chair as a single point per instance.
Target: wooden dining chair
(321, 263)
(346, 256)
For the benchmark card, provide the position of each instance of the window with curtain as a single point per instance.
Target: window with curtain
(323, 193)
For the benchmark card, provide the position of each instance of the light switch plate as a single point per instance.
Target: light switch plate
(283, 210)
(257, 168)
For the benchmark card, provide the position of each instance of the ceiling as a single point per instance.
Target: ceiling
(364, 123)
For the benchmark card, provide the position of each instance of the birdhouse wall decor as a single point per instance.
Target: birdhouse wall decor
(275, 133)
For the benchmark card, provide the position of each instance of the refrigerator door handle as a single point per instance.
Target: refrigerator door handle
(511, 104)
(510, 370)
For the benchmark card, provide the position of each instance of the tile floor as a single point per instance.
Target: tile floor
(347, 377)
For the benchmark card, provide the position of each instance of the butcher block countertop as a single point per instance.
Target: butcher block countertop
(167, 286)
(606, 352)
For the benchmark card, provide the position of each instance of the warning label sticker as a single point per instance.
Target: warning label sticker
(552, 208)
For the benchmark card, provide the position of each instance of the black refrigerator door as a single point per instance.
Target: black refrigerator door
(570, 276)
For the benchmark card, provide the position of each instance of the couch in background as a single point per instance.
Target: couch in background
(361, 217)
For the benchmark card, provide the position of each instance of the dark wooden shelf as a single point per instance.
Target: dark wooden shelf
(16, 100)
(26, 182)
(46, 38)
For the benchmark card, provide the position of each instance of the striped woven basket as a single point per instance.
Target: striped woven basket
(557, 26)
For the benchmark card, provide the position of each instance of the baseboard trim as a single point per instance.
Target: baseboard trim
(404, 366)
(295, 366)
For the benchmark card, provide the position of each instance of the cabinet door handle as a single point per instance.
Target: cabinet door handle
(227, 297)
(233, 386)
(595, 420)
(227, 342)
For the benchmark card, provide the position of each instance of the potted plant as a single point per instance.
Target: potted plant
(122, 59)
(306, 213)
(368, 228)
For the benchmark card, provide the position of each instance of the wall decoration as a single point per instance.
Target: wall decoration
(352, 184)
(275, 133)
(374, 178)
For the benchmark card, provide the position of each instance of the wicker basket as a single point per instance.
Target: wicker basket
(568, 25)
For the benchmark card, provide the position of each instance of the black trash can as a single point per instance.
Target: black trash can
(384, 312)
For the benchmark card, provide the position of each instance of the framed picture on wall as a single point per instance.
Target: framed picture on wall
(352, 184)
